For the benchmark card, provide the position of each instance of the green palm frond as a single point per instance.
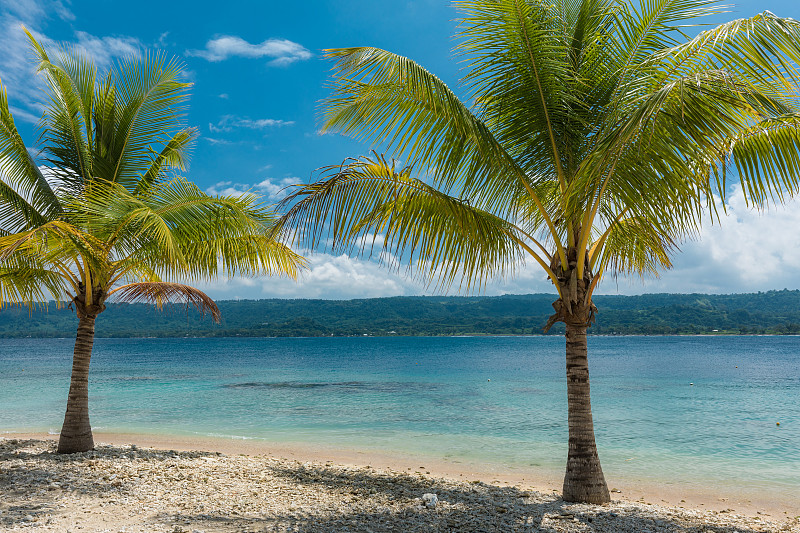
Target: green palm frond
(519, 77)
(68, 117)
(24, 189)
(179, 230)
(117, 210)
(768, 157)
(26, 280)
(151, 100)
(389, 99)
(762, 50)
(438, 236)
(636, 246)
(596, 134)
(174, 156)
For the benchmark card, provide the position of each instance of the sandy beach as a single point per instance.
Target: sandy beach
(134, 483)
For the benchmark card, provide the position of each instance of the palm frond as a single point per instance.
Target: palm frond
(389, 99)
(158, 293)
(436, 235)
(24, 188)
(174, 155)
(67, 123)
(150, 106)
(26, 280)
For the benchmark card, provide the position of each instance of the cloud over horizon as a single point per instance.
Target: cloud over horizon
(746, 251)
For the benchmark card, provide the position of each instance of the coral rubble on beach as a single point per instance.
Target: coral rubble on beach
(129, 489)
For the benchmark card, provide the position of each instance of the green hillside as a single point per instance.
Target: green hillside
(767, 312)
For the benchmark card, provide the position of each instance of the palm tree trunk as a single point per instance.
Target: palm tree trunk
(76, 433)
(584, 481)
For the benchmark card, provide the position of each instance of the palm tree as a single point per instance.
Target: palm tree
(108, 215)
(592, 138)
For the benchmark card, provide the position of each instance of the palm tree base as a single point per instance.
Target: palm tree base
(83, 442)
(585, 483)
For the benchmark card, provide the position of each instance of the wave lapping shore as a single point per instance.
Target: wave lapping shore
(130, 489)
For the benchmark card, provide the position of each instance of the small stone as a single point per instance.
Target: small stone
(430, 500)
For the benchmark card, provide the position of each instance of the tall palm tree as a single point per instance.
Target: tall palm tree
(591, 138)
(108, 216)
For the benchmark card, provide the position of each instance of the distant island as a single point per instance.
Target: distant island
(772, 312)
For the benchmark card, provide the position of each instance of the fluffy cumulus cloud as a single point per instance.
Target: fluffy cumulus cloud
(328, 277)
(281, 52)
(230, 122)
(746, 251)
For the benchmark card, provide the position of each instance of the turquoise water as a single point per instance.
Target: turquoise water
(500, 400)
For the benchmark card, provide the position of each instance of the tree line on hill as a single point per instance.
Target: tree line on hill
(773, 312)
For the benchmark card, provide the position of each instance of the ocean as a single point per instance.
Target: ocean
(696, 411)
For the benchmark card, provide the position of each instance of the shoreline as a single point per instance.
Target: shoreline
(458, 336)
(775, 505)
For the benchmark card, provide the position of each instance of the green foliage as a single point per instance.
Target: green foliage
(113, 213)
(773, 312)
(594, 135)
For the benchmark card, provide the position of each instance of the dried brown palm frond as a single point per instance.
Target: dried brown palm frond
(159, 292)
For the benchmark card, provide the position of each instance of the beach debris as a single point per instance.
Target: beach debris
(430, 500)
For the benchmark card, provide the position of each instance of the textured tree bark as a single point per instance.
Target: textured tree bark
(584, 480)
(76, 433)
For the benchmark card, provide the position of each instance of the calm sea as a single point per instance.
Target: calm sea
(674, 409)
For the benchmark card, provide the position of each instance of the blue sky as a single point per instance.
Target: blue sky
(258, 76)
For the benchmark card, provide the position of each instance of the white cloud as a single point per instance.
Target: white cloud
(17, 69)
(229, 122)
(328, 276)
(268, 187)
(281, 51)
(212, 140)
(33, 11)
(224, 96)
(103, 50)
(746, 252)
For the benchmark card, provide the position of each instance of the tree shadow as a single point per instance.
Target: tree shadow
(37, 492)
(346, 499)
(378, 502)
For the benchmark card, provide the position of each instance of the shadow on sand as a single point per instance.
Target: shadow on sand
(28, 495)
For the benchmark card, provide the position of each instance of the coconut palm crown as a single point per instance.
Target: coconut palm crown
(107, 215)
(591, 138)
